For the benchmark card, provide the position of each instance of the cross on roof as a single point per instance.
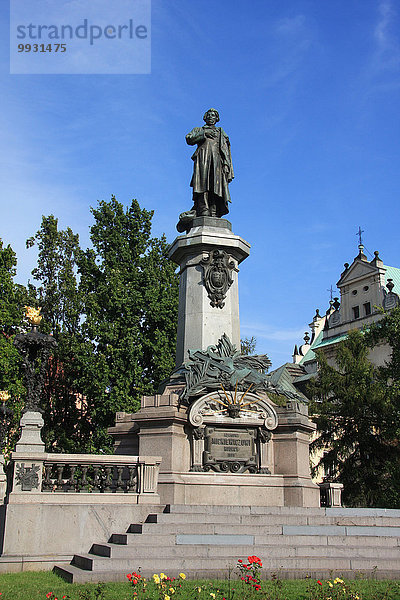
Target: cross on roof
(359, 233)
(330, 290)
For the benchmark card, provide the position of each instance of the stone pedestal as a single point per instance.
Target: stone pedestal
(31, 426)
(282, 473)
(222, 440)
(208, 257)
(331, 494)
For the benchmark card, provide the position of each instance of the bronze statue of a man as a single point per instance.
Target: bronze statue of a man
(213, 169)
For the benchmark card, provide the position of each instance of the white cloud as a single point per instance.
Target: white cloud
(387, 51)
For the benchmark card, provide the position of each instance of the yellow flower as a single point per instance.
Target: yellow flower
(337, 580)
(171, 591)
(156, 579)
(182, 575)
(166, 597)
(4, 396)
(163, 576)
(199, 589)
(212, 595)
(330, 584)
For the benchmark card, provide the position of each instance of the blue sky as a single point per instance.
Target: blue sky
(308, 92)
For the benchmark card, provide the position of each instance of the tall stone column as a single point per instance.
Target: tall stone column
(208, 256)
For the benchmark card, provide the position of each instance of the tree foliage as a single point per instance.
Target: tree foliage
(57, 292)
(12, 299)
(112, 309)
(248, 345)
(130, 292)
(357, 420)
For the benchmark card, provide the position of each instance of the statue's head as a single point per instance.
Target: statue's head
(211, 116)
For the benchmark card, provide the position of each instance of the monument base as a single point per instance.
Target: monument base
(237, 490)
(279, 475)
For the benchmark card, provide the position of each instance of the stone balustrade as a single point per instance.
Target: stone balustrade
(84, 473)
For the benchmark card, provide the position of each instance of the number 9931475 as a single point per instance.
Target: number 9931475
(42, 47)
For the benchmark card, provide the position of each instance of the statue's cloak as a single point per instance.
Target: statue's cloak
(213, 170)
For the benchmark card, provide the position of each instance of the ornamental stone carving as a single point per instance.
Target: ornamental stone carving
(233, 408)
(27, 477)
(218, 267)
(390, 299)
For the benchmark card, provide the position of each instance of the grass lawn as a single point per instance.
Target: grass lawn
(35, 585)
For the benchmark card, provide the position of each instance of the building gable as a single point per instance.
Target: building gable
(358, 270)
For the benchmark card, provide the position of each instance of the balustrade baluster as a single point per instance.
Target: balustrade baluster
(84, 481)
(108, 481)
(71, 483)
(96, 479)
(131, 483)
(120, 482)
(46, 484)
(60, 481)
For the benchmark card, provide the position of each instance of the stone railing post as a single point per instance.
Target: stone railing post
(331, 494)
(148, 475)
(27, 472)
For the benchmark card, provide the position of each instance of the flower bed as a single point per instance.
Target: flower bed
(245, 583)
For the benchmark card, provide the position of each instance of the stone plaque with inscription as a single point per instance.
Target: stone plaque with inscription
(230, 450)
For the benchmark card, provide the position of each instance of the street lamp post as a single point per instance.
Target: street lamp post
(35, 348)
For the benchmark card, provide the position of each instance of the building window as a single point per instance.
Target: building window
(354, 292)
(356, 312)
(366, 288)
(367, 309)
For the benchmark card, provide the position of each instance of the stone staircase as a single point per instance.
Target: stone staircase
(206, 541)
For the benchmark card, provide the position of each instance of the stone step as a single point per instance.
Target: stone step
(235, 551)
(172, 566)
(283, 510)
(166, 528)
(207, 542)
(246, 521)
(73, 574)
(241, 510)
(157, 539)
(269, 520)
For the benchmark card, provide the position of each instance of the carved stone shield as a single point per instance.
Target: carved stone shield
(218, 267)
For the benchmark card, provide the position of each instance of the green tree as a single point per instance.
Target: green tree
(248, 345)
(130, 293)
(113, 311)
(12, 299)
(67, 422)
(387, 331)
(357, 422)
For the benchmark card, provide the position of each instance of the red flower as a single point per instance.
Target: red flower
(255, 560)
(240, 560)
(319, 582)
